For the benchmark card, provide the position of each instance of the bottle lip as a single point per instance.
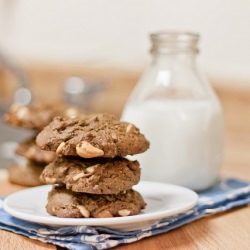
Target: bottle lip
(171, 42)
(175, 36)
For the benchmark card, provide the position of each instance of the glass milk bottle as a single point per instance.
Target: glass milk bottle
(177, 110)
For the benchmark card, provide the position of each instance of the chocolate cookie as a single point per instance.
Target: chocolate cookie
(97, 175)
(31, 151)
(67, 204)
(37, 116)
(27, 174)
(98, 135)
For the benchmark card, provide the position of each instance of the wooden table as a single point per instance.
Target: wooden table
(229, 230)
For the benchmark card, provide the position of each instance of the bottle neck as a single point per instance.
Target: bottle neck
(174, 47)
(187, 59)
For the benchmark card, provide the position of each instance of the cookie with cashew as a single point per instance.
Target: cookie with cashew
(38, 115)
(25, 173)
(99, 135)
(31, 151)
(67, 204)
(97, 175)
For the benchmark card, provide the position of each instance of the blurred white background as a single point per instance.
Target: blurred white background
(115, 33)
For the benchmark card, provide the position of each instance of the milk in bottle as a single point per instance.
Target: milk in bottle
(177, 110)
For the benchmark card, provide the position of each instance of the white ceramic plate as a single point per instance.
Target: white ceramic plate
(163, 200)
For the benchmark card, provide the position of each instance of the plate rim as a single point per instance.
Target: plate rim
(53, 220)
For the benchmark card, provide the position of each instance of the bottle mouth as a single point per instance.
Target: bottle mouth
(171, 42)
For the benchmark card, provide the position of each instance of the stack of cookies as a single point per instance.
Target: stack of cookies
(91, 176)
(32, 159)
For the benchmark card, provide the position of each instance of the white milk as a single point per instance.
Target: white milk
(186, 141)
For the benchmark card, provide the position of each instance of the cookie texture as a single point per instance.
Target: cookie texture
(37, 116)
(31, 151)
(97, 176)
(98, 135)
(26, 174)
(67, 204)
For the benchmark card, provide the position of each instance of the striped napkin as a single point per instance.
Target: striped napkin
(226, 194)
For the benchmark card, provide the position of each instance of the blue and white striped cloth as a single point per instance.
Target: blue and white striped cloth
(225, 195)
